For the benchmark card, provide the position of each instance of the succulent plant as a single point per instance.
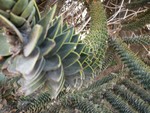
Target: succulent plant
(46, 52)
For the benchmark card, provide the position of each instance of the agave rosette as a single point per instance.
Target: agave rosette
(44, 51)
(16, 21)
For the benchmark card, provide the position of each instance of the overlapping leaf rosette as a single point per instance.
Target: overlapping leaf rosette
(44, 51)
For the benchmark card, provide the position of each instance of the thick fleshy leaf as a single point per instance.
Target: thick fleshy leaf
(70, 59)
(60, 30)
(33, 22)
(37, 14)
(4, 45)
(85, 63)
(55, 87)
(9, 67)
(89, 61)
(34, 86)
(25, 29)
(53, 30)
(6, 4)
(4, 13)
(34, 80)
(52, 63)
(17, 20)
(74, 68)
(75, 38)
(12, 66)
(35, 73)
(31, 18)
(65, 26)
(59, 42)
(71, 31)
(95, 65)
(80, 48)
(26, 64)
(56, 75)
(88, 70)
(33, 39)
(83, 57)
(19, 6)
(87, 49)
(66, 49)
(27, 10)
(75, 80)
(8, 24)
(47, 46)
(45, 21)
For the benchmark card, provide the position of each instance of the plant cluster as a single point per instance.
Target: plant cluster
(46, 67)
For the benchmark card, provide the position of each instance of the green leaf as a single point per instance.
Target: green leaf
(44, 22)
(83, 57)
(75, 38)
(74, 68)
(52, 63)
(75, 80)
(85, 63)
(35, 73)
(88, 70)
(71, 31)
(80, 48)
(8, 24)
(70, 59)
(66, 49)
(55, 87)
(87, 49)
(26, 64)
(27, 10)
(37, 14)
(95, 65)
(33, 39)
(31, 18)
(30, 83)
(19, 6)
(35, 85)
(65, 26)
(47, 46)
(5, 14)
(53, 30)
(12, 66)
(17, 20)
(56, 75)
(4, 45)
(6, 4)
(59, 42)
